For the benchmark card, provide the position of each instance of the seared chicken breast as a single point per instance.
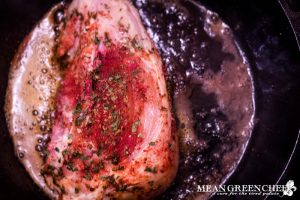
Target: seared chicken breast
(111, 136)
(87, 105)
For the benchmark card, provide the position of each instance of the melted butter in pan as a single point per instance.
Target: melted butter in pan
(33, 81)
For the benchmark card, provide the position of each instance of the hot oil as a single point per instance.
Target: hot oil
(211, 88)
(30, 102)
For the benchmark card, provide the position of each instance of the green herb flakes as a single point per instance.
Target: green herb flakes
(135, 43)
(78, 108)
(101, 165)
(135, 126)
(96, 169)
(151, 170)
(152, 144)
(88, 177)
(64, 152)
(79, 120)
(71, 167)
(96, 39)
(115, 159)
(118, 168)
(76, 154)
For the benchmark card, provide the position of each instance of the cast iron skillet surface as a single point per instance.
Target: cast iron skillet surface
(267, 39)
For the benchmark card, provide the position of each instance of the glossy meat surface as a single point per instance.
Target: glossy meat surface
(112, 134)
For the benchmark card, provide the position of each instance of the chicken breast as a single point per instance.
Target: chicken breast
(111, 136)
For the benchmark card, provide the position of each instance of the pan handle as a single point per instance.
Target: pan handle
(292, 11)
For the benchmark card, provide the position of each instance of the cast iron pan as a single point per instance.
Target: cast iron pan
(264, 33)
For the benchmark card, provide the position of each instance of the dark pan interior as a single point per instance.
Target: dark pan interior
(266, 37)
